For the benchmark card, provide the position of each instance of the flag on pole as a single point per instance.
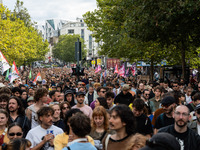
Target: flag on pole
(98, 68)
(37, 78)
(14, 72)
(4, 65)
(116, 69)
(122, 71)
(133, 69)
(30, 75)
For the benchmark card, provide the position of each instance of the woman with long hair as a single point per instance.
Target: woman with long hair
(3, 127)
(99, 125)
(14, 131)
(64, 107)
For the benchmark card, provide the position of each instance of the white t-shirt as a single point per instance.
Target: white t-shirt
(36, 134)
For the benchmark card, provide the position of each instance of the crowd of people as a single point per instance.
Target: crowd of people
(98, 113)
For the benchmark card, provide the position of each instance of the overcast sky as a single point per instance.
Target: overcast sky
(41, 10)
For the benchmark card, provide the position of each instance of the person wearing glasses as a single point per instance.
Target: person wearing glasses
(187, 138)
(168, 104)
(64, 107)
(195, 125)
(14, 131)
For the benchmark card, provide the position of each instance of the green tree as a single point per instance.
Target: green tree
(64, 50)
(18, 42)
(174, 24)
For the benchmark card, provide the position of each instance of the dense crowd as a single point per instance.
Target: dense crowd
(107, 112)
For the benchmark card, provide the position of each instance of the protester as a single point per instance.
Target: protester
(62, 140)
(42, 136)
(110, 100)
(14, 131)
(80, 126)
(186, 137)
(99, 125)
(64, 107)
(3, 126)
(101, 101)
(17, 144)
(122, 121)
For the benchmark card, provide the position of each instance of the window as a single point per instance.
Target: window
(71, 31)
(82, 24)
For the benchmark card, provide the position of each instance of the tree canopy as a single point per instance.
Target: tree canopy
(18, 42)
(64, 50)
(148, 29)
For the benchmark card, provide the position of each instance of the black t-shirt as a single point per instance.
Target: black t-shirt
(90, 98)
(163, 121)
(188, 140)
(143, 125)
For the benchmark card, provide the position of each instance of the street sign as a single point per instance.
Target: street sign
(93, 62)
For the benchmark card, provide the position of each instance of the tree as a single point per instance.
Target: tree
(18, 42)
(174, 24)
(22, 13)
(64, 50)
(111, 23)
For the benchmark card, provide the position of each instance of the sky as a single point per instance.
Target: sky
(41, 10)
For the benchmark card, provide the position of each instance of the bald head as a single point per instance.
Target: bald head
(182, 108)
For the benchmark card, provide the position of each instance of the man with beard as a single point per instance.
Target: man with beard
(17, 114)
(42, 136)
(187, 138)
(195, 125)
(80, 97)
(166, 118)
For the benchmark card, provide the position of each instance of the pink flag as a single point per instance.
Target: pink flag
(122, 71)
(133, 69)
(98, 69)
(116, 69)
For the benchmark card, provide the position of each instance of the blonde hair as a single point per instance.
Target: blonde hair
(100, 111)
(138, 140)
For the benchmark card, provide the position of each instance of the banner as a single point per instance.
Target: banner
(4, 65)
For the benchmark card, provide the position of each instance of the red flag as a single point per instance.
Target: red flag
(133, 69)
(14, 68)
(38, 77)
(98, 69)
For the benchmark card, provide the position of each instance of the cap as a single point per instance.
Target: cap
(30, 99)
(69, 92)
(80, 93)
(162, 141)
(168, 100)
(197, 107)
(90, 79)
(125, 87)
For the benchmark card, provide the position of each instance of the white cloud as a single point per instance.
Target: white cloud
(41, 10)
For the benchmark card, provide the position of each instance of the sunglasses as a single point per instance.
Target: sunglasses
(65, 108)
(103, 91)
(13, 134)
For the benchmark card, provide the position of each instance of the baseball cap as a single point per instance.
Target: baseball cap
(162, 141)
(168, 100)
(80, 93)
(68, 92)
(30, 99)
(125, 87)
